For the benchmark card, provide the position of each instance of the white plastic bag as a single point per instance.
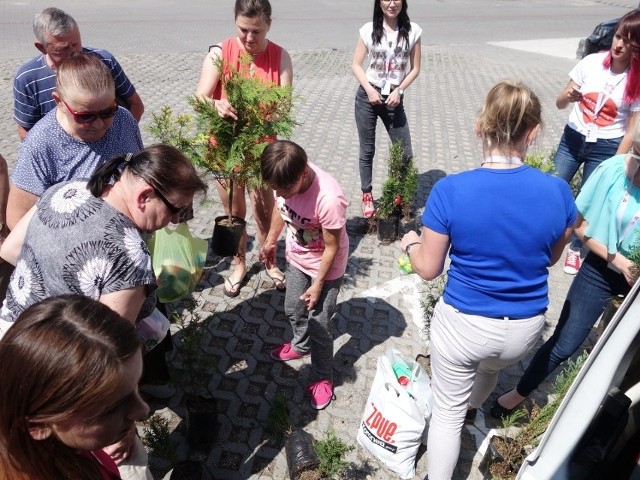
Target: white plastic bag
(395, 415)
(152, 329)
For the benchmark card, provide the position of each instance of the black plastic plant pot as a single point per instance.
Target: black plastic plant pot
(226, 236)
(387, 230)
(301, 456)
(492, 457)
(202, 422)
(408, 224)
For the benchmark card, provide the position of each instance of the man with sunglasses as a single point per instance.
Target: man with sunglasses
(57, 36)
(84, 130)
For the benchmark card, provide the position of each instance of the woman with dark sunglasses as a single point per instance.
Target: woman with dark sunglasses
(87, 237)
(84, 130)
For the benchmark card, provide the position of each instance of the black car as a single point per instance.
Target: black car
(600, 39)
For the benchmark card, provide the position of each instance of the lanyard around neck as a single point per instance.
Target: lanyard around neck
(623, 233)
(604, 96)
(502, 159)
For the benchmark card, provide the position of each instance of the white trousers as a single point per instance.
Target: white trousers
(467, 353)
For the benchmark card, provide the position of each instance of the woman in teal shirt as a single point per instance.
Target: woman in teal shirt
(609, 206)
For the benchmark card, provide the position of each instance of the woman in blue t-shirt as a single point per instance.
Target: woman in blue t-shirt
(503, 225)
(609, 205)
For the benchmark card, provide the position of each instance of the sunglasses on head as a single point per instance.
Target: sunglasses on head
(88, 117)
(170, 206)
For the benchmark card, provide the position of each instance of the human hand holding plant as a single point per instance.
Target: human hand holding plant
(230, 134)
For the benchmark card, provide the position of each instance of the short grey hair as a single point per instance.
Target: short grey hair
(52, 22)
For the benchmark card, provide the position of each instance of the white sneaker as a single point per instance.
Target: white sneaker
(572, 262)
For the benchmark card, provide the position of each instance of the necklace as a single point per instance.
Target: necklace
(499, 159)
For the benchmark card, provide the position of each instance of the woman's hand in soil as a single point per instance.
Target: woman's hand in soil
(625, 265)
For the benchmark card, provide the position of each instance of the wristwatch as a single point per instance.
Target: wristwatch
(400, 91)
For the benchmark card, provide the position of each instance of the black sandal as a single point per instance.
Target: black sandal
(470, 416)
(499, 412)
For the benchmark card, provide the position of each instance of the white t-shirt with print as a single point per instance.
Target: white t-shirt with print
(388, 60)
(595, 80)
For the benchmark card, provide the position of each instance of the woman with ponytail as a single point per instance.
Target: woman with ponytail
(86, 237)
(492, 310)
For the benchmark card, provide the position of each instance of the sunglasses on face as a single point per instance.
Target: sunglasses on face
(88, 117)
(170, 206)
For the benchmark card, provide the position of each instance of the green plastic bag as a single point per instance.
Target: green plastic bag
(178, 259)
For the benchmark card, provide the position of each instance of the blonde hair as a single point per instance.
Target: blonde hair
(510, 111)
(81, 72)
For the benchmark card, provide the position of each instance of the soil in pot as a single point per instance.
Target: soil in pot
(227, 235)
(407, 224)
(387, 230)
(499, 460)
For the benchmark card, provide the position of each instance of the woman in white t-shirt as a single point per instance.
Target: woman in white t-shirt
(604, 89)
(392, 44)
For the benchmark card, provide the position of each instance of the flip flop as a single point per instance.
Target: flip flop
(231, 292)
(279, 281)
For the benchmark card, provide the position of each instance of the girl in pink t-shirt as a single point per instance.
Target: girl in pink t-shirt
(312, 206)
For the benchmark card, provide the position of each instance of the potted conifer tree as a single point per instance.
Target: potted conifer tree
(230, 149)
(398, 194)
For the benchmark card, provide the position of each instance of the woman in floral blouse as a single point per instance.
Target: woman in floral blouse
(86, 237)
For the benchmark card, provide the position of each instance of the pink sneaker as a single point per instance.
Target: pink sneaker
(321, 394)
(368, 209)
(572, 262)
(285, 352)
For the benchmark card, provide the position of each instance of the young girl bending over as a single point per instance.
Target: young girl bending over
(311, 204)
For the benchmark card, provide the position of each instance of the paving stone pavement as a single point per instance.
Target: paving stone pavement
(377, 306)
